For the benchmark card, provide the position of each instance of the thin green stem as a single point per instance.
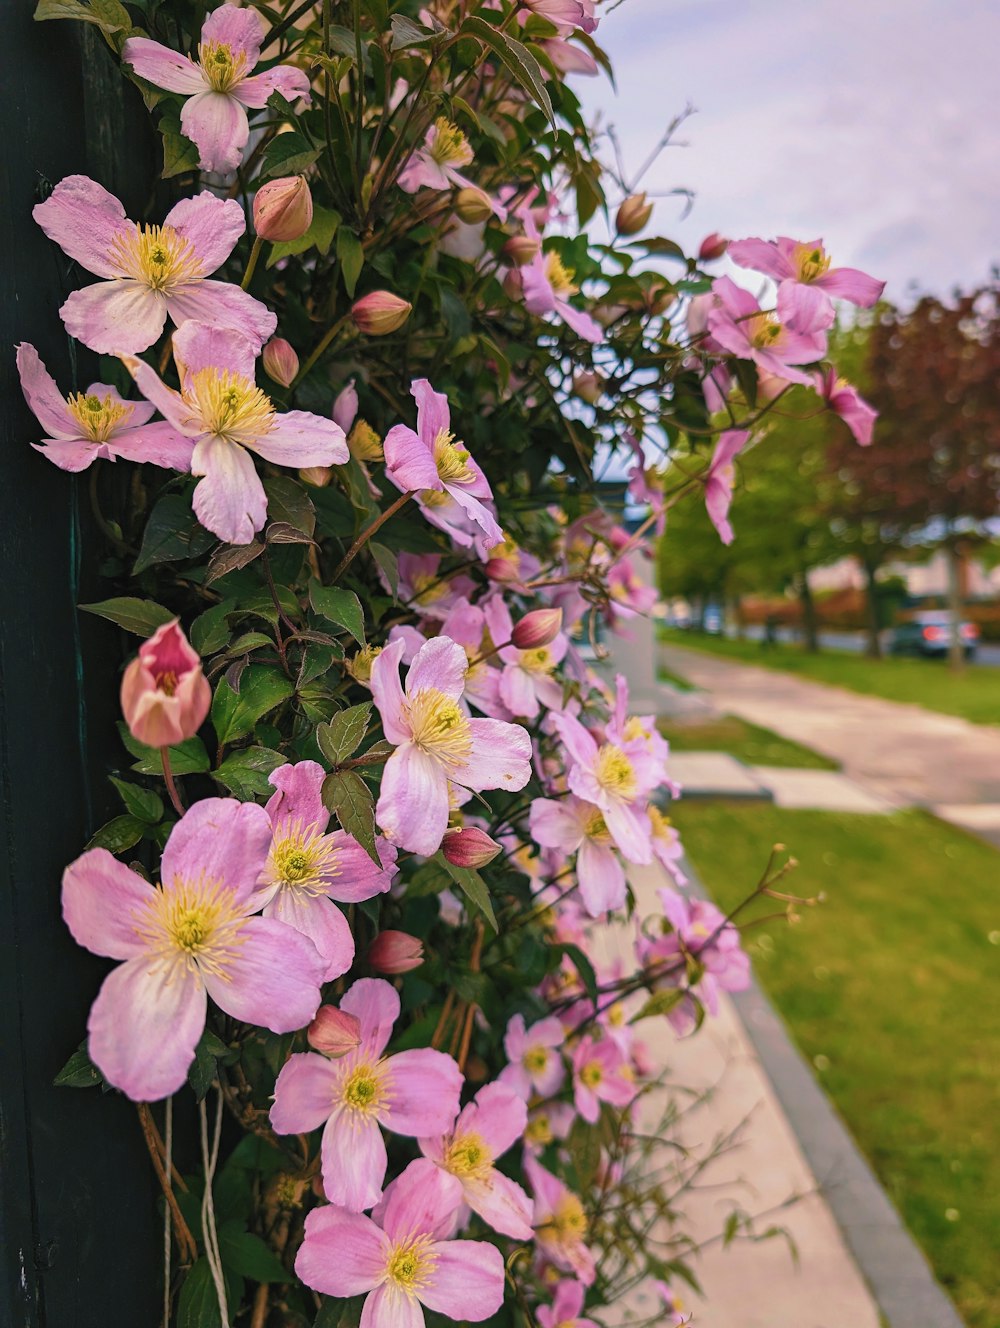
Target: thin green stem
(258, 244)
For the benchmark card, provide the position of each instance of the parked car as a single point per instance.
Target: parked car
(929, 634)
(712, 621)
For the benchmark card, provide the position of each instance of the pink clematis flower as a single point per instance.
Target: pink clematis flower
(95, 424)
(222, 409)
(436, 743)
(220, 88)
(719, 480)
(307, 869)
(600, 1074)
(151, 273)
(548, 286)
(165, 695)
(667, 847)
(566, 1308)
(845, 401)
(535, 1063)
(579, 827)
(560, 1223)
(450, 487)
(738, 323)
(401, 1260)
(569, 58)
(185, 940)
(487, 1127)
(435, 165)
(414, 1092)
(806, 281)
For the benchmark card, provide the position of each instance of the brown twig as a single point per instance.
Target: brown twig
(185, 1239)
(366, 535)
(168, 779)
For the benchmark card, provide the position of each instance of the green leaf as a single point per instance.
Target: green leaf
(141, 616)
(661, 1002)
(288, 501)
(198, 1304)
(179, 154)
(320, 234)
(79, 1071)
(107, 14)
(232, 558)
(288, 154)
(386, 559)
(210, 630)
(202, 1070)
(350, 799)
(340, 606)
(262, 688)
(472, 886)
(351, 258)
(340, 1313)
(245, 772)
(342, 736)
(407, 33)
(249, 1256)
(187, 758)
(172, 533)
(141, 803)
(516, 56)
(658, 245)
(118, 834)
(584, 967)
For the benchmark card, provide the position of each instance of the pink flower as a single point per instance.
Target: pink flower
(845, 401)
(565, 13)
(535, 1063)
(394, 952)
(805, 280)
(220, 87)
(526, 683)
(569, 59)
(451, 489)
(671, 1302)
(97, 423)
(737, 322)
(436, 744)
(182, 941)
(566, 1307)
(560, 1223)
(667, 847)
(435, 164)
(600, 1074)
(165, 696)
(151, 273)
(414, 1092)
(222, 409)
(719, 480)
(400, 1260)
(579, 827)
(307, 869)
(487, 1127)
(548, 286)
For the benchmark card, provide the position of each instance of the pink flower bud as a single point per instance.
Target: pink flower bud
(283, 209)
(712, 246)
(589, 387)
(633, 215)
(521, 249)
(513, 285)
(165, 696)
(469, 847)
(280, 361)
(379, 313)
(345, 406)
(538, 628)
(318, 476)
(473, 205)
(502, 569)
(395, 952)
(334, 1032)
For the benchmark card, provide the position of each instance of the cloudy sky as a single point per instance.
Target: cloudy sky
(872, 123)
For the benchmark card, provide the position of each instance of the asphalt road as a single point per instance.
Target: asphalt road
(986, 655)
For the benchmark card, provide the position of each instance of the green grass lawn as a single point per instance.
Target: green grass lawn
(973, 694)
(747, 742)
(891, 988)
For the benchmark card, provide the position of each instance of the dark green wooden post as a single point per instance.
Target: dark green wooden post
(80, 1234)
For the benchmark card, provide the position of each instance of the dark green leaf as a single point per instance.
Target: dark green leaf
(288, 154)
(139, 802)
(320, 234)
(350, 799)
(473, 887)
(118, 834)
(351, 258)
(187, 758)
(231, 558)
(661, 1002)
(280, 532)
(342, 737)
(340, 1313)
(262, 688)
(172, 533)
(179, 155)
(198, 1304)
(584, 967)
(107, 14)
(210, 630)
(248, 1255)
(340, 606)
(658, 245)
(516, 56)
(141, 616)
(245, 772)
(288, 501)
(388, 563)
(202, 1070)
(79, 1071)
(407, 33)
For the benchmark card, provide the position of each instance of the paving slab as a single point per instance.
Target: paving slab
(982, 818)
(715, 775)
(819, 790)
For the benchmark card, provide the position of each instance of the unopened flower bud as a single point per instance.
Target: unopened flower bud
(513, 286)
(318, 476)
(395, 952)
(468, 846)
(502, 569)
(280, 361)
(345, 406)
(712, 246)
(334, 1032)
(589, 387)
(633, 215)
(359, 666)
(538, 628)
(473, 205)
(283, 209)
(164, 694)
(521, 249)
(364, 443)
(380, 313)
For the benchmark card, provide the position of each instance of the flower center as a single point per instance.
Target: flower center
(364, 442)
(559, 276)
(537, 661)
(449, 147)
(539, 1131)
(660, 824)
(411, 1264)
(452, 460)
(439, 728)
(535, 1059)
(596, 828)
(98, 417)
(228, 405)
(468, 1155)
(301, 859)
(765, 331)
(359, 666)
(568, 1222)
(221, 67)
(614, 772)
(166, 682)
(157, 257)
(364, 1089)
(427, 588)
(810, 261)
(197, 924)
(591, 1074)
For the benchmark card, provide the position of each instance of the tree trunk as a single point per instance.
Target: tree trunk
(956, 646)
(810, 637)
(873, 646)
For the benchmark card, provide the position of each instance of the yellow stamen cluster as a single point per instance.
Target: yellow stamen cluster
(591, 1074)
(467, 1155)
(614, 772)
(535, 1059)
(450, 146)
(452, 460)
(660, 824)
(595, 828)
(539, 1130)
(537, 661)
(359, 666)
(98, 417)
(228, 405)
(197, 924)
(764, 330)
(810, 261)
(364, 443)
(567, 1224)
(439, 728)
(365, 1090)
(301, 859)
(157, 257)
(412, 1263)
(560, 277)
(427, 587)
(222, 69)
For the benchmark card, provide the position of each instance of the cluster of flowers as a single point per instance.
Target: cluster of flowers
(497, 697)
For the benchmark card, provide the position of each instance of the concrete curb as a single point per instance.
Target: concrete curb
(894, 1266)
